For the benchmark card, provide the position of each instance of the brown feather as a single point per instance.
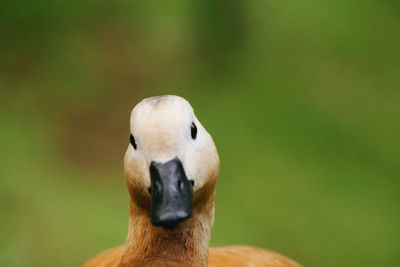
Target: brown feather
(240, 256)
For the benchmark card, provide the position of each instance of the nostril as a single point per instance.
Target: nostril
(158, 187)
(180, 185)
(192, 182)
(149, 190)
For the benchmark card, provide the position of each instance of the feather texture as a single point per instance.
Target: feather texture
(239, 256)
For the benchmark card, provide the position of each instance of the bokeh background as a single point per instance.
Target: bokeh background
(302, 99)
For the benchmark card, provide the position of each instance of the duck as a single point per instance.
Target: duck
(171, 168)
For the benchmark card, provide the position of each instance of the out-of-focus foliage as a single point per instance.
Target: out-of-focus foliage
(301, 97)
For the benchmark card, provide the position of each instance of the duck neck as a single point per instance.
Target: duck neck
(186, 245)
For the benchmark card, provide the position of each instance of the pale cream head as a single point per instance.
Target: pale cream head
(161, 127)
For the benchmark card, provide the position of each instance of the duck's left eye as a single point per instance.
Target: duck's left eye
(193, 130)
(133, 142)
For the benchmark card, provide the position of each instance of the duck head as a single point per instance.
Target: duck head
(171, 164)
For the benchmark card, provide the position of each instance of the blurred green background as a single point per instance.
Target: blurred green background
(302, 99)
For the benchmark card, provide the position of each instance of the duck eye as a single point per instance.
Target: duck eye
(133, 142)
(193, 130)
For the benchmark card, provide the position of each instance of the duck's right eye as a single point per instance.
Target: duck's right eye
(133, 142)
(193, 131)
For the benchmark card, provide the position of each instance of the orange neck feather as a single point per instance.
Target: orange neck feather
(187, 245)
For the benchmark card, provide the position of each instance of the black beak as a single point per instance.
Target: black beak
(172, 194)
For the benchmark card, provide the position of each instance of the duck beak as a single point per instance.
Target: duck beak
(171, 192)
